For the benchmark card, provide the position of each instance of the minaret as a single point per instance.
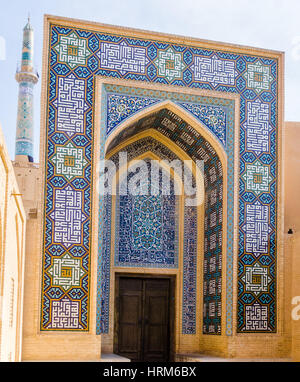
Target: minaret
(27, 77)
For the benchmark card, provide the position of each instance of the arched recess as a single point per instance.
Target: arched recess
(135, 124)
(184, 264)
(180, 133)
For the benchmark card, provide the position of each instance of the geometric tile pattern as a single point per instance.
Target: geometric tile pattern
(69, 161)
(212, 117)
(189, 272)
(258, 76)
(67, 216)
(66, 272)
(72, 50)
(65, 315)
(147, 222)
(212, 284)
(257, 229)
(121, 107)
(214, 70)
(170, 64)
(256, 279)
(75, 57)
(257, 177)
(123, 57)
(104, 269)
(258, 127)
(70, 105)
(146, 228)
(256, 318)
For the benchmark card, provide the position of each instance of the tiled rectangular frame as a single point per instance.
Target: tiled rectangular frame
(113, 97)
(253, 74)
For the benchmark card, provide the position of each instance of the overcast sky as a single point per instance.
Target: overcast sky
(271, 24)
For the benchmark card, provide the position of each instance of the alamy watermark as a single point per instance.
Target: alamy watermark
(2, 49)
(296, 309)
(152, 177)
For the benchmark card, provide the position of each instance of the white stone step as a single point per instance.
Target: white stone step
(205, 358)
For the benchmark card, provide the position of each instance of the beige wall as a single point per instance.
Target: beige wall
(294, 299)
(28, 179)
(292, 175)
(12, 252)
(292, 242)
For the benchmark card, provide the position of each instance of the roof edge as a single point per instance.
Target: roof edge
(154, 35)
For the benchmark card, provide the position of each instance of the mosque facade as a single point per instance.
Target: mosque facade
(159, 275)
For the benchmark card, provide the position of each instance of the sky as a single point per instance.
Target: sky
(268, 24)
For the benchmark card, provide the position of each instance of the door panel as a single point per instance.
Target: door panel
(130, 311)
(156, 323)
(143, 328)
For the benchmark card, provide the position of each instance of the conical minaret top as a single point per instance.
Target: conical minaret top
(27, 77)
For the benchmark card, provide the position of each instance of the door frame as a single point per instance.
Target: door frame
(172, 301)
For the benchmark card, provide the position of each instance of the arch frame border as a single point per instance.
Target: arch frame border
(100, 113)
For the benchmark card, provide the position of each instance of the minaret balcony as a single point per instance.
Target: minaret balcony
(27, 75)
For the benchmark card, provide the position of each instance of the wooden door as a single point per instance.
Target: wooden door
(143, 319)
(130, 314)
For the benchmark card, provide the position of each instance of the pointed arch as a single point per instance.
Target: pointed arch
(197, 173)
(180, 112)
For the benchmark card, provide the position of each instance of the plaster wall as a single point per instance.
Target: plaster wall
(12, 253)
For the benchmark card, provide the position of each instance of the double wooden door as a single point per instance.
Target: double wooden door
(142, 330)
